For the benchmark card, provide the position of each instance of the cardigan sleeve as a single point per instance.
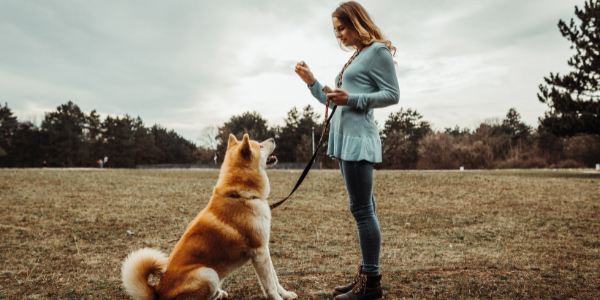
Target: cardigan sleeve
(317, 92)
(383, 74)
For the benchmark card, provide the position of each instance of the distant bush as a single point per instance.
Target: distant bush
(436, 151)
(523, 163)
(584, 149)
(568, 164)
(443, 151)
(475, 155)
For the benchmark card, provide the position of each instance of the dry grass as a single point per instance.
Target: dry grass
(446, 235)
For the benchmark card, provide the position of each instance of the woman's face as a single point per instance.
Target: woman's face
(348, 36)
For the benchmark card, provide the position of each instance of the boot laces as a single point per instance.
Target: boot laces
(357, 276)
(360, 287)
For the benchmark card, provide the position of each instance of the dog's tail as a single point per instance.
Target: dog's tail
(136, 269)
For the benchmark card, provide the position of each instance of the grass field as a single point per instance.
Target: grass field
(446, 235)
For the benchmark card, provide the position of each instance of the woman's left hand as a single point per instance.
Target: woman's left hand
(339, 97)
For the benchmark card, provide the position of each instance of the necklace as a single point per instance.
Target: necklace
(326, 89)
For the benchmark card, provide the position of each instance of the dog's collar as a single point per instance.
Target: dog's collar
(235, 195)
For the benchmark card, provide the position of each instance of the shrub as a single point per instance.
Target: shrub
(436, 151)
(584, 149)
(477, 155)
(569, 164)
(525, 162)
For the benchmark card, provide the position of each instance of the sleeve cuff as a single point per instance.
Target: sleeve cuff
(352, 100)
(315, 89)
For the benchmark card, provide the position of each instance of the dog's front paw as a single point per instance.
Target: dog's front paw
(288, 295)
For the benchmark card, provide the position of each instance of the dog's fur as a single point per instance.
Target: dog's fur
(233, 229)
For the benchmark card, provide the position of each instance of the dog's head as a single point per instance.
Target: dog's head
(250, 153)
(244, 165)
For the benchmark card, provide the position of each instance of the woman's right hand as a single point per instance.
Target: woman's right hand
(305, 74)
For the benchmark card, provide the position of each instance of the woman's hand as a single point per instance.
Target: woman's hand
(339, 97)
(305, 74)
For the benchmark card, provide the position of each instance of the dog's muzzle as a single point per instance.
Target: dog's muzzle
(271, 160)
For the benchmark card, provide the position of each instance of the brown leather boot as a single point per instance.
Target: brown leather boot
(368, 287)
(338, 290)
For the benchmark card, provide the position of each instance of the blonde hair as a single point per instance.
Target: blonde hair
(351, 14)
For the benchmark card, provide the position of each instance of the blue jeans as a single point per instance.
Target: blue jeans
(358, 176)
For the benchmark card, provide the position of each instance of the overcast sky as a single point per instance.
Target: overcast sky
(191, 64)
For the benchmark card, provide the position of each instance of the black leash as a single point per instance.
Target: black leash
(310, 163)
(325, 89)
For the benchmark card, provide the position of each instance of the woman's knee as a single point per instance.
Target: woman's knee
(362, 212)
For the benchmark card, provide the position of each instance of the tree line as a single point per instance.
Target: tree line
(568, 135)
(69, 137)
(409, 142)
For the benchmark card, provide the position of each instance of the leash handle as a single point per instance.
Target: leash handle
(310, 163)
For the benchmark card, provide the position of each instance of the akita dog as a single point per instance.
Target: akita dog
(233, 229)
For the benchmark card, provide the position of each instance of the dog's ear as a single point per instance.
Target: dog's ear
(245, 149)
(232, 141)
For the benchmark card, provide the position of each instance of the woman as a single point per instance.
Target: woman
(368, 81)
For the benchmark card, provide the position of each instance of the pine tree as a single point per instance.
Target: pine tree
(574, 99)
(294, 139)
(514, 127)
(401, 134)
(65, 130)
(8, 125)
(251, 123)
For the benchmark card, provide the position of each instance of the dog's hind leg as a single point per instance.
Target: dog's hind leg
(202, 283)
(263, 266)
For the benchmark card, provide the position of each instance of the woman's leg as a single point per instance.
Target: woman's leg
(358, 176)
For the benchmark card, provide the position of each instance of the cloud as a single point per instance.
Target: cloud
(191, 64)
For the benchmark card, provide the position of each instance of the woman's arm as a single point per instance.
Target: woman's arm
(383, 73)
(317, 92)
(315, 87)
